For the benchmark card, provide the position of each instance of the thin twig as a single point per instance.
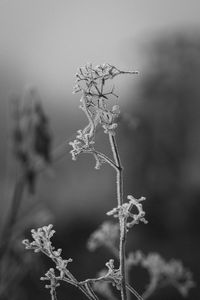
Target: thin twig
(79, 286)
(71, 279)
(104, 157)
(134, 292)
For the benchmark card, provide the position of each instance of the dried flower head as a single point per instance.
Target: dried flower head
(92, 79)
(124, 212)
(91, 82)
(41, 239)
(42, 243)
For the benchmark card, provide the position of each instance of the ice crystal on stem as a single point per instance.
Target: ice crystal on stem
(113, 274)
(124, 212)
(50, 276)
(42, 243)
(103, 287)
(42, 240)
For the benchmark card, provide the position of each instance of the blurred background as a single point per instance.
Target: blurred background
(42, 43)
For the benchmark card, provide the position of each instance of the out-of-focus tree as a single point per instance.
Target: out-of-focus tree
(167, 139)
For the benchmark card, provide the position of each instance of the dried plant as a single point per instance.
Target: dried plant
(94, 85)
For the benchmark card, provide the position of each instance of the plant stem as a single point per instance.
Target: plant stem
(81, 288)
(69, 278)
(122, 243)
(134, 292)
(53, 295)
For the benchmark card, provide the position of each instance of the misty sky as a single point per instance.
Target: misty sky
(44, 41)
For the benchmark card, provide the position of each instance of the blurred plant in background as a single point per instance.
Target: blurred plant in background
(31, 136)
(31, 143)
(166, 142)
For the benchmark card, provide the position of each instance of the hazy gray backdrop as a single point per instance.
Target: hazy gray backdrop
(42, 43)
